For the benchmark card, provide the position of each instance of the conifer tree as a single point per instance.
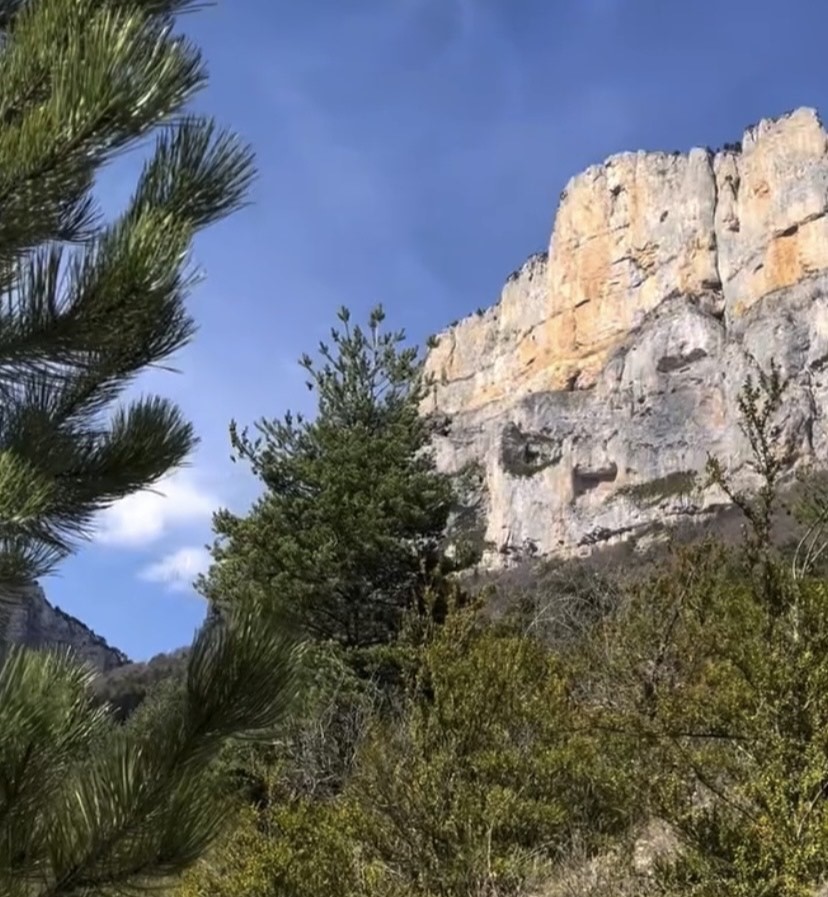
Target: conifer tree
(91, 808)
(347, 533)
(85, 306)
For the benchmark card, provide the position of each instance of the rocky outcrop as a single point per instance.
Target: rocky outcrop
(585, 400)
(35, 623)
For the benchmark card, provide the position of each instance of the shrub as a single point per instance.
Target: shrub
(482, 780)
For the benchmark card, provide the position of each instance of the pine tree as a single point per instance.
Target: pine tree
(348, 530)
(85, 306)
(91, 808)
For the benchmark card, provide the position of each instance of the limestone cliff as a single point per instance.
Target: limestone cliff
(584, 400)
(35, 623)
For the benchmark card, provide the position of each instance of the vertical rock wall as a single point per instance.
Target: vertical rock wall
(612, 364)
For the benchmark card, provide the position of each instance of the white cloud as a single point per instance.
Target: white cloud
(178, 569)
(175, 501)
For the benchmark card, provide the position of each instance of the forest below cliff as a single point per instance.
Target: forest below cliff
(618, 725)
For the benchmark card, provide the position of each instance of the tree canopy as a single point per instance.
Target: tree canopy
(349, 525)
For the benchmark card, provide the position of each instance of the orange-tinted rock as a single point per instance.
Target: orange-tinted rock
(614, 361)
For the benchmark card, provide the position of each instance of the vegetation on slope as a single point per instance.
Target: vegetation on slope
(511, 749)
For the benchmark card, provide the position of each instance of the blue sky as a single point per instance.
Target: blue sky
(410, 152)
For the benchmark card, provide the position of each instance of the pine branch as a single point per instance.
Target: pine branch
(77, 326)
(144, 806)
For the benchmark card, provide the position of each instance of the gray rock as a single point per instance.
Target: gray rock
(611, 368)
(35, 623)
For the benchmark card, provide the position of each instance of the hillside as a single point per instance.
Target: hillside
(38, 624)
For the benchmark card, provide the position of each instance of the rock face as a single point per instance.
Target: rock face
(37, 624)
(583, 401)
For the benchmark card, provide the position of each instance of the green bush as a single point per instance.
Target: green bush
(474, 778)
(724, 694)
(718, 667)
(304, 848)
(482, 781)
